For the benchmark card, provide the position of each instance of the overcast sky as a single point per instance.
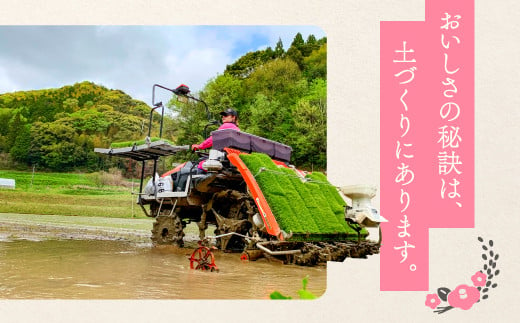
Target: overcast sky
(129, 58)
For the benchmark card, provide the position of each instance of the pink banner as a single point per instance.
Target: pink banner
(427, 136)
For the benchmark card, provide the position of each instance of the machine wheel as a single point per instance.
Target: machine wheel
(233, 209)
(167, 230)
(202, 259)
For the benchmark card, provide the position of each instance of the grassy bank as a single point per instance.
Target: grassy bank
(96, 194)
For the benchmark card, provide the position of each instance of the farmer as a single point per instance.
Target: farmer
(229, 121)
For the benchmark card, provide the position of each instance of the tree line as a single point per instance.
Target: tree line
(279, 94)
(57, 129)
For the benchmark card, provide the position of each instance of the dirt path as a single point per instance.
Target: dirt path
(36, 226)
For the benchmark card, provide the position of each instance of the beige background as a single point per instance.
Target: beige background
(352, 28)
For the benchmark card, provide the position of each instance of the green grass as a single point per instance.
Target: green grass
(67, 194)
(312, 209)
(137, 143)
(26, 180)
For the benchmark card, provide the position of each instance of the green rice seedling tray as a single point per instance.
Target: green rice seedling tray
(311, 209)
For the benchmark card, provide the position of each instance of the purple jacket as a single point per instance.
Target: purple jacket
(209, 142)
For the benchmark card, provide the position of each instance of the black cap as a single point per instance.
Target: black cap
(228, 112)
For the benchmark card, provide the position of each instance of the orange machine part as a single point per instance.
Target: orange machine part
(265, 211)
(299, 172)
(279, 163)
(176, 169)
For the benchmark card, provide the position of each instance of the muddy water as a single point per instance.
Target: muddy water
(93, 269)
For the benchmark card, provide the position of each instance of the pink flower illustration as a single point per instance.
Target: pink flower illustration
(432, 301)
(479, 279)
(463, 297)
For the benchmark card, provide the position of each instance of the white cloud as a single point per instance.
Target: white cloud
(130, 58)
(6, 83)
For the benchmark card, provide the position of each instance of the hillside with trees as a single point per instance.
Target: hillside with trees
(279, 94)
(57, 129)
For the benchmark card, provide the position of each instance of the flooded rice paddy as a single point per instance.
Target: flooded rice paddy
(106, 269)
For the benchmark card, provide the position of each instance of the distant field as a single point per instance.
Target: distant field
(69, 194)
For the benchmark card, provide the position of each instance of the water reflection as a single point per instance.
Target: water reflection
(91, 269)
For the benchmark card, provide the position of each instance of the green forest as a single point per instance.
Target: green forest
(279, 94)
